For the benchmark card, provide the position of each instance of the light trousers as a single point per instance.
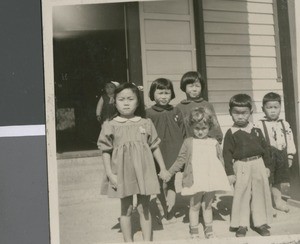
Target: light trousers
(251, 194)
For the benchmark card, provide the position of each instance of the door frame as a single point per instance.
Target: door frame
(200, 43)
(288, 84)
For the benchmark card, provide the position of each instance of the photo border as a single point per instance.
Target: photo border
(47, 11)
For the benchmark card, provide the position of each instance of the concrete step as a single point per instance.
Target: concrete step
(86, 217)
(79, 179)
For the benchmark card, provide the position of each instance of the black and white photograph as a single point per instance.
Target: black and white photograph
(172, 121)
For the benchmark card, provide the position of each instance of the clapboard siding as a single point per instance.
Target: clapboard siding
(243, 84)
(259, 40)
(255, 1)
(233, 28)
(237, 17)
(241, 73)
(241, 54)
(167, 42)
(238, 6)
(241, 62)
(240, 50)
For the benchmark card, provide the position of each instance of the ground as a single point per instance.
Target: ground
(86, 217)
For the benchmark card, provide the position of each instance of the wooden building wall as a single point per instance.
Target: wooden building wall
(240, 44)
(167, 42)
(241, 54)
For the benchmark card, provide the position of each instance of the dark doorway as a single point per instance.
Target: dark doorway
(89, 48)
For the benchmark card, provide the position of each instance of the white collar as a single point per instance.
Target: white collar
(123, 120)
(266, 119)
(247, 129)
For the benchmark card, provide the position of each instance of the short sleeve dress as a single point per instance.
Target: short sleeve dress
(130, 143)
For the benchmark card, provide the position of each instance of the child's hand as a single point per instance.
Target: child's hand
(290, 161)
(113, 180)
(164, 175)
(232, 179)
(168, 178)
(268, 172)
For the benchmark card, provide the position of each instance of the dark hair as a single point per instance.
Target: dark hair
(161, 83)
(190, 78)
(240, 100)
(140, 110)
(271, 97)
(199, 115)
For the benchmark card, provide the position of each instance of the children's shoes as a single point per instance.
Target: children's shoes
(208, 232)
(194, 232)
(262, 230)
(195, 237)
(241, 232)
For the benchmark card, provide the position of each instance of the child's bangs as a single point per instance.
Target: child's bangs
(165, 86)
(201, 123)
(241, 104)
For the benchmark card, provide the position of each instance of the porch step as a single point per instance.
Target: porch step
(79, 179)
(293, 203)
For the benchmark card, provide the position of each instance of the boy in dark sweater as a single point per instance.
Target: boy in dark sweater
(247, 165)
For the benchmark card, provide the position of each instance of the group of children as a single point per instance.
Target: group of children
(138, 146)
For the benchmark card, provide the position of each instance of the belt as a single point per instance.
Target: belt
(250, 158)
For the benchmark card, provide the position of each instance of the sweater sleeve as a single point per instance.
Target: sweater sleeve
(181, 158)
(228, 150)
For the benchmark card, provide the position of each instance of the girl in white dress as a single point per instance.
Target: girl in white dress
(204, 173)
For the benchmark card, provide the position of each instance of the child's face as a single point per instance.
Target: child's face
(272, 110)
(126, 103)
(240, 115)
(110, 89)
(193, 90)
(201, 130)
(162, 96)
